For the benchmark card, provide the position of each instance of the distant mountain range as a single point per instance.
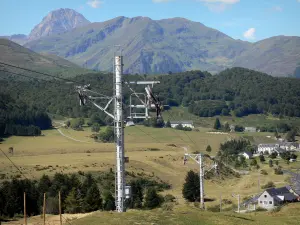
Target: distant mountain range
(157, 46)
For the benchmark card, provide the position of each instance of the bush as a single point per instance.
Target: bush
(215, 208)
(260, 209)
(270, 184)
(167, 206)
(263, 172)
(169, 198)
(152, 199)
(278, 171)
(227, 201)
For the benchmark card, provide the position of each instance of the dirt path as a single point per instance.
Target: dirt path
(71, 137)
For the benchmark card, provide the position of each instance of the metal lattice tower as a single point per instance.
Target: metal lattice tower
(121, 190)
(119, 135)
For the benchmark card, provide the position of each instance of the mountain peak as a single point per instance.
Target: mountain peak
(58, 21)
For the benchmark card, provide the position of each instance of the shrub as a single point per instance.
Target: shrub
(169, 198)
(270, 184)
(260, 209)
(215, 208)
(278, 171)
(263, 172)
(167, 206)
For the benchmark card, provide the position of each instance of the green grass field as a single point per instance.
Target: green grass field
(53, 153)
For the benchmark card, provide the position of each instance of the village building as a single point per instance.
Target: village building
(189, 124)
(272, 197)
(247, 155)
(270, 148)
(250, 129)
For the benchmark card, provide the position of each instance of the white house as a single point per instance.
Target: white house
(247, 155)
(273, 197)
(250, 129)
(129, 123)
(189, 124)
(270, 148)
(289, 146)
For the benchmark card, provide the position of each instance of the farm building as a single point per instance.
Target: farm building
(189, 124)
(272, 197)
(250, 129)
(270, 148)
(247, 155)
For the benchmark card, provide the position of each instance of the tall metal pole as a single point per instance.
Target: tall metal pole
(201, 182)
(44, 209)
(119, 132)
(59, 208)
(25, 214)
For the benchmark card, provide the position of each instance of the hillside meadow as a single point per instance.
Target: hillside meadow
(151, 151)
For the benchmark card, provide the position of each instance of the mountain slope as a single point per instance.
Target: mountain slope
(277, 56)
(149, 46)
(58, 21)
(159, 46)
(12, 53)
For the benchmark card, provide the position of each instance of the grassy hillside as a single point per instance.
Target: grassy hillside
(12, 53)
(54, 152)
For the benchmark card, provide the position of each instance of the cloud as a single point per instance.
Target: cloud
(221, 1)
(218, 5)
(250, 34)
(161, 1)
(277, 8)
(95, 3)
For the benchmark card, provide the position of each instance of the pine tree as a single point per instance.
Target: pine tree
(168, 124)
(191, 187)
(152, 199)
(262, 158)
(270, 163)
(93, 199)
(72, 202)
(208, 148)
(217, 124)
(109, 201)
(226, 127)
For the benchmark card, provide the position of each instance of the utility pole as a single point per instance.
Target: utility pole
(220, 202)
(59, 208)
(198, 158)
(44, 209)
(25, 216)
(238, 198)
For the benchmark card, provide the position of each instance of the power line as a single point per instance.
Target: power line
(37, 78)
(33, 71)
(13, 164)
(24, 175)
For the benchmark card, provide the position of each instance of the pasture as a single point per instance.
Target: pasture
(150, 151)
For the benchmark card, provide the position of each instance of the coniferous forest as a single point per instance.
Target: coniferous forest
(236, 91)
(18, 118)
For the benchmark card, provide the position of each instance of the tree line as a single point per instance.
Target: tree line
(18, 118)
(80, 193)
(235, 91)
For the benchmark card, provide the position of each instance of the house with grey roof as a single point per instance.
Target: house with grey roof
(188, 123)
(274, 197)
(247, 154)
(270, 148)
